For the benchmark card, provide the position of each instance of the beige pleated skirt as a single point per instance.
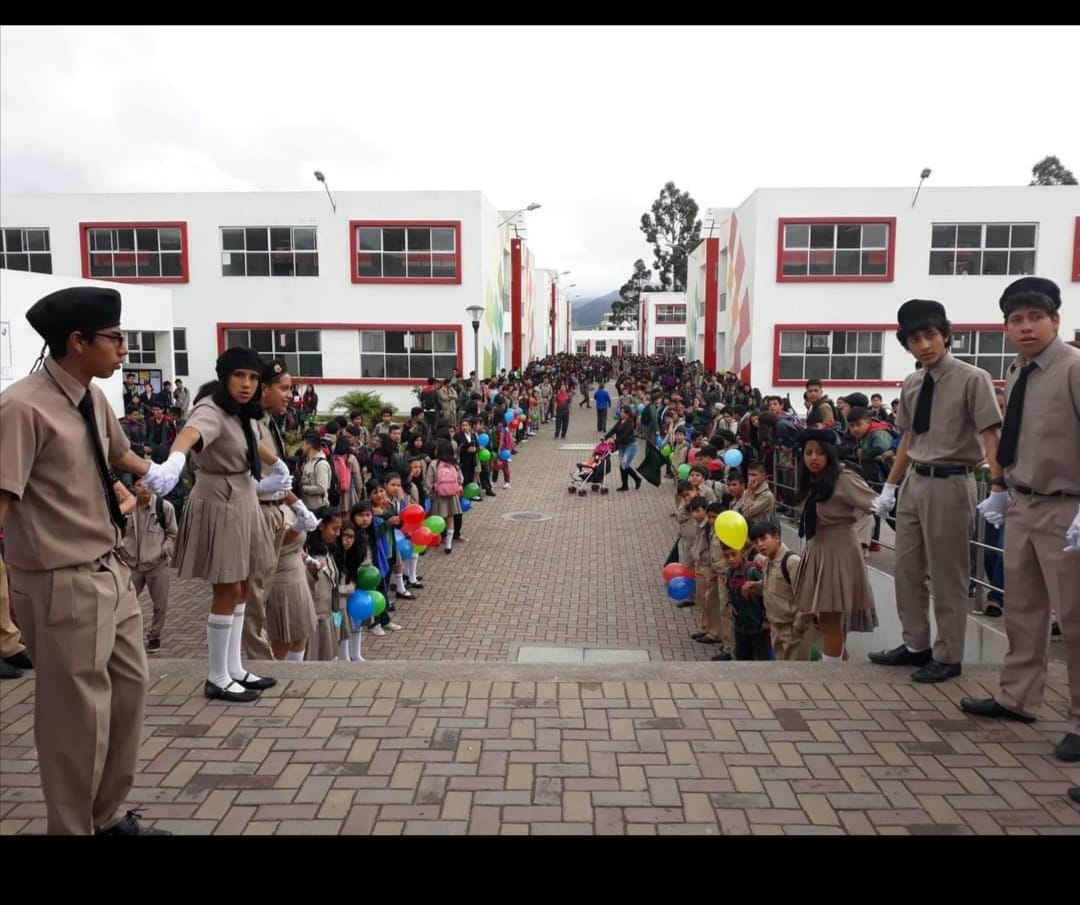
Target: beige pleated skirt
(832, 578)
(323, 643)
(222, 536)
(290, 611)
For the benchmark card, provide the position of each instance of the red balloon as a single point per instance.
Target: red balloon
(407, 528)
(676, 570)
(413, 514)
(691, 456)
(424, 537)
(715, 466)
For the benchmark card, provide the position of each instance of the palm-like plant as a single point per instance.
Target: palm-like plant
(369, 404)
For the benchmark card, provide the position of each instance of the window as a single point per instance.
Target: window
(269, 251)
(301, 350)
(179, 344)
(407, 354)
(670, 345)
(836, 250)
(986, 349)
(982, 248)
(406, 252)
(142, 348)
(674, 314)
(601, 345)
(581, 347)
(829, 355)
(26, 249)
(135, 252)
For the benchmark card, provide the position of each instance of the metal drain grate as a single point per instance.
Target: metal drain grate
(526, 516)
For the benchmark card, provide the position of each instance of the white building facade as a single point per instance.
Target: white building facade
(610, 342)
(662, 323)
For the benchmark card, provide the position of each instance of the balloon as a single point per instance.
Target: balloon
(677, 570)
(405, 548)
(484, 455)
(680, 588)
(691, 456)
(436, 524)
(715, 466)
(427, 506)
(731, 529)
(337, 619)
(665, 451)
(505, 455)
(683, 471)
(508, 417)
(368, 578)
(733, 458)
(640, 407)
(465, 505)
(361, 606)
(483, 440)
(424, 537)
(472, 491)
(419, 549)
(379, 602)
(413, 513)
(407, 528)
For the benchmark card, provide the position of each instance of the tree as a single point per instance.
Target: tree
(1049, 171)
(674, 231)
(626, 307)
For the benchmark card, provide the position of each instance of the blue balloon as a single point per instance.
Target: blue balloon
(465, 504)
(505, 455)
(733, 458)
(681, 588)
(405, 548)
(337, 619)
(640, 407)
(360, 607)
(483, 440)
(508, 417)
(427, 505)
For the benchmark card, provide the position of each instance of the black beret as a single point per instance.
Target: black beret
(822, 436)
(1031, 291)
(86, 308)
(238, 359)
(858, 414)
(856, 400)
(919, 311)
(273, 369)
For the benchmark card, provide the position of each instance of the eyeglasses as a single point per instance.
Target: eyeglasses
(117, 338)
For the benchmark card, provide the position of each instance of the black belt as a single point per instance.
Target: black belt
(270, 502)
(941, 471)
(1027, 491)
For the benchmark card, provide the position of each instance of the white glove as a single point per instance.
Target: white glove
(160, 479)
(883, 502)
(275, 482)
(305, 515)
(994, 507)
(1072, 536)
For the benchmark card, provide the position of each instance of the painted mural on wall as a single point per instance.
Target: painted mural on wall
(494, 283)
(739, 310)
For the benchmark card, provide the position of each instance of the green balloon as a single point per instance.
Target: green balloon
(472, 491)
(436, 524)
(368, 578)
(684, 472)
(815, 653)
(380, 602)
(665, 451)
(484, 455)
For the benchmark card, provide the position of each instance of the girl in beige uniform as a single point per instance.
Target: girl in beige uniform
(323, 577)
(290, 611)
(223, 537)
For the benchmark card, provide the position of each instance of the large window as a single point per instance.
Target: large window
(581, 347)
(269, 251)
(674, 314)
(405, 252)
(25, 249)
(135, 252)
(836, 250)
(142, 348)
(407, 354)
(601, 345)
(986, 349)
(670, 345)
(180, 351)
(958, 249)
(301, 350)
(829, 355)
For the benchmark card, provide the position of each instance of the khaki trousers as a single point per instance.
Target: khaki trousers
(157, 580)
(255, 640)
(788, 643)
(10, 637)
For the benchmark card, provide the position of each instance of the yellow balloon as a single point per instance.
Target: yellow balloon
(731, 529)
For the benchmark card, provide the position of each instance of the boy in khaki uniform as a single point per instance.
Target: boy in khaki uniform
(706, 594)
(757, 503)
(72, 593)
(721, 621)
(790, 629)
(147, 549)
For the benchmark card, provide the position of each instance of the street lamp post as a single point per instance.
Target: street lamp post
(475, 312)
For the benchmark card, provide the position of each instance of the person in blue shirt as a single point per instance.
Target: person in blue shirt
(603, 404)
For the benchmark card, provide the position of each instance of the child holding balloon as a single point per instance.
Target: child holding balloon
(346, 559)
(443, 481)
(500, 463)
(376, 537)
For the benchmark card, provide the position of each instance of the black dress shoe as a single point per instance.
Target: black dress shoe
(129, 826)
(991, 708)
(217, 693)
(7, 671)
(936, 672)
(1074, 794)
(256, 683)
(901, 656)
(688, 602)
(722, 656)
(705, 639)
(1068, 749)
(21, 660)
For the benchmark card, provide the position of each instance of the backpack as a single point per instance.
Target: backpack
(342, 473)
(333, 493)
(446, 480)
(783, 566)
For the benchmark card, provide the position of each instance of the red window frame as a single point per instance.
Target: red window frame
(890, 263)
(84, 248)
(406, 224)
(352, 328)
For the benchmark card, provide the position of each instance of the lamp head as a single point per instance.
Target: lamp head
(319, 175)
(925, 174)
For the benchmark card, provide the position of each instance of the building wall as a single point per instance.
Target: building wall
(608, 338)
(655, 329)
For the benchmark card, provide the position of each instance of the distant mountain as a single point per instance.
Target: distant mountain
(589, 312)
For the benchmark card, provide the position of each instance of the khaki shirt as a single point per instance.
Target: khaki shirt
(700, 549)
(757, 506)
(964, 405)
(148, 543)
(1048, 450)
(47, 464)
(780, 607)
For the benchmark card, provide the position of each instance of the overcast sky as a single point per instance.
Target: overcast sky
(588, 121)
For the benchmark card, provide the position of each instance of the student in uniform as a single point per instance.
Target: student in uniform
(948, 416)
(223, 537)
(789, 629)
(13, 656)
(71, 592)
(1039, 454)
(148, 545)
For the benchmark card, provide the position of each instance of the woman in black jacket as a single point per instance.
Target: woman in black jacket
(625, 434)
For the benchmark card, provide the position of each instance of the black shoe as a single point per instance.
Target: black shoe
(7, 671)
(901, 656)
(722, 656)
(217, 693)
(415, 584)
(936, 672)
(407, 595)
(990, 708)
(129, 826)
(705, 639)
(1074, 794)
(21, 660)
(489, 493)
(621, 489)
(992, 609)
(256, 683)
(153, 645)
(1068, 749)
(447, 551)
(688, 602)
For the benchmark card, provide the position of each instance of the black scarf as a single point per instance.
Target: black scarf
(245, 413)
(818, 493)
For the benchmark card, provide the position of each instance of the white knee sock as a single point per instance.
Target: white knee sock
(343, 649)
(218, 633)
(399, 582)
(449, 538)
(236, 668)
(294, 656)
(354, 646)
(825, 658)
(412, 565)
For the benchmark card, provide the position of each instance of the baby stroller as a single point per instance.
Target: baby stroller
(594, 471)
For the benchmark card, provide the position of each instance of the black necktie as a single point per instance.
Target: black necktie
(1010, 433)
(86, 409)
(921, 424)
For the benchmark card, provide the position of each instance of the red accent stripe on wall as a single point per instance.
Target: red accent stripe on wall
(515, 304)
(712, 300)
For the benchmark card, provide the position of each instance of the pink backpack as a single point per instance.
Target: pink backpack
(446, 480)
(344, 476)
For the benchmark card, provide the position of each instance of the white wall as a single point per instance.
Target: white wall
(655, 329)
(609, 337)
(143, 308)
